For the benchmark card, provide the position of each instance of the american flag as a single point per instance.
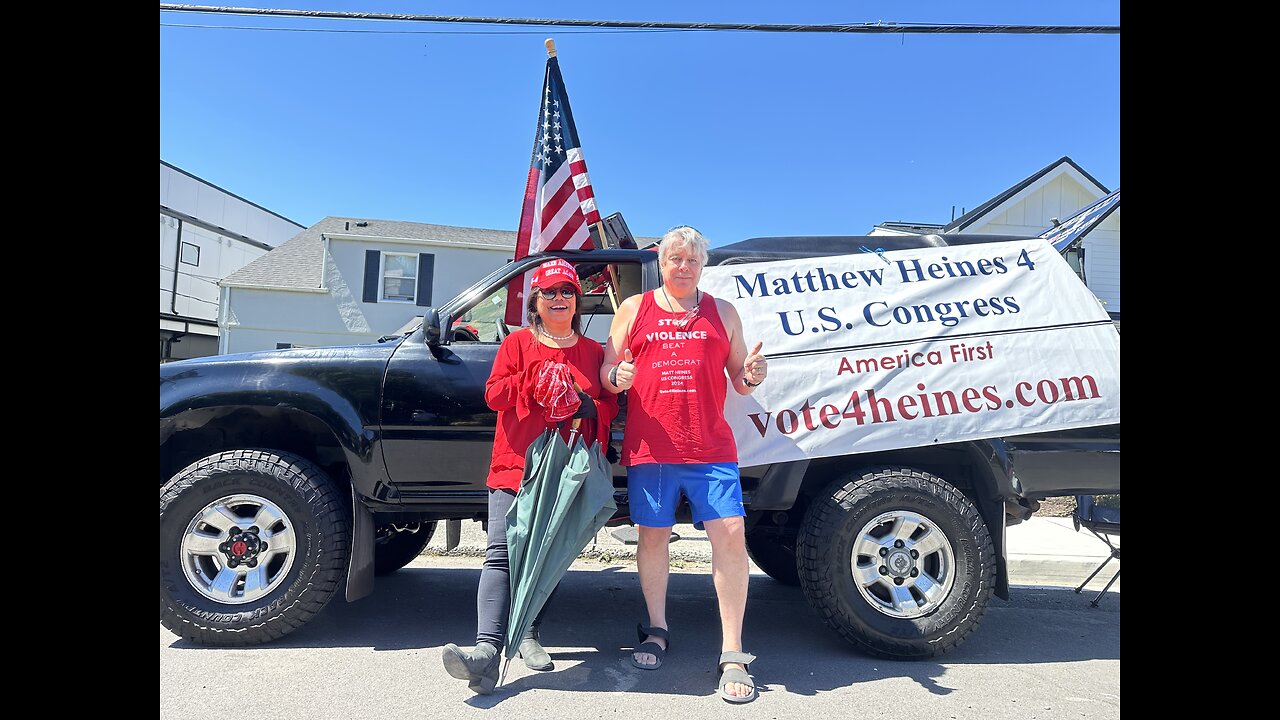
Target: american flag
(1063, 235)
(559, 204)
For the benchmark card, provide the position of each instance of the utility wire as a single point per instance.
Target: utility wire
(416, 32)
(877, 27)
(207, 278)
(193, 297)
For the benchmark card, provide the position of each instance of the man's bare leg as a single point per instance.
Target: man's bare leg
(731, 573)
(653, 560)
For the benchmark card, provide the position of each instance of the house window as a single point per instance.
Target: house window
(190, 253)
(399, 277)
(1075, 258)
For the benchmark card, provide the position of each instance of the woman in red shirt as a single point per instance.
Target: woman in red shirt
(553, 336)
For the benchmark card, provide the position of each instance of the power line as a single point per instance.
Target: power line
(207, 278)
(191, 296)
(877, 27)
(413, 32)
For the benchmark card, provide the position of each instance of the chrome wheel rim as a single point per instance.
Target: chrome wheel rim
(238, 549)
(903, 564)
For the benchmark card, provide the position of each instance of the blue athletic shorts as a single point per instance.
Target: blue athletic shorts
(714, 491)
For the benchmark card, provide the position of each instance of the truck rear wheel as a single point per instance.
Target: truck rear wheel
(252, 545)
(774, 552)
(897, 561)
(397, 546)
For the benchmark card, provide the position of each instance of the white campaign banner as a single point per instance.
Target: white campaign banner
(874, 352)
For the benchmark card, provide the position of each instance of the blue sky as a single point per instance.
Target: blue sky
(738, 134)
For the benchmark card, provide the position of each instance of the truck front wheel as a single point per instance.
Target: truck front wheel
(897, 561)
(252, 545)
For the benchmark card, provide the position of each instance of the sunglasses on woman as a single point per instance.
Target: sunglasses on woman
(565, 292)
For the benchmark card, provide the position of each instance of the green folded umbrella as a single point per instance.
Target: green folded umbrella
(565, 497)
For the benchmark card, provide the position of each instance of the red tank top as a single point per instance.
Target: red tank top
(675, 409)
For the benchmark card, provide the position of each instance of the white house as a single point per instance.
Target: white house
(345, 281)
(206, 234)
(1031, 207)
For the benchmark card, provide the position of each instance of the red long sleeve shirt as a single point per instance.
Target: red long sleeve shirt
(509, 390)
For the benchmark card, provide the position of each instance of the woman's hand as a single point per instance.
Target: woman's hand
(555, 392)
(530, 383)
(586, 411)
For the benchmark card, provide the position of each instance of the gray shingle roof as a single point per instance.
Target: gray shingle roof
(298, 263)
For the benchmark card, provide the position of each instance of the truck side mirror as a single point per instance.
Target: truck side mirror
(431, 326)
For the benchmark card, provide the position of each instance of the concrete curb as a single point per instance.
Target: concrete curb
(1040, 551)
(682, 549)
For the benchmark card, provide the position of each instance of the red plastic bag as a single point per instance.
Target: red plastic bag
(553, 389)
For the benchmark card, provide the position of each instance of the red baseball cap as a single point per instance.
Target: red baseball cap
(551, 272)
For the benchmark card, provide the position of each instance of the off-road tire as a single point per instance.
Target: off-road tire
(833, 527)
(394, 551)
(316, 523)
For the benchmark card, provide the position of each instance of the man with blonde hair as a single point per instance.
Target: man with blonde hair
(671, 349)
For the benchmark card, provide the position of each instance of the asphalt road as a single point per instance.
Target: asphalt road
(1044, 654)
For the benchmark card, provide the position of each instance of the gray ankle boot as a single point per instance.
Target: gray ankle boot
(534, 656)
(478, 666)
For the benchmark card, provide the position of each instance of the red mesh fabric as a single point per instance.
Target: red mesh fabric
(553, 390)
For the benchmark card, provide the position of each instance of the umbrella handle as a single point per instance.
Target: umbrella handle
(573, 426)
(576, 421)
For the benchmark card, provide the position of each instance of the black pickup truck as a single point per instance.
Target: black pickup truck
(287, 475)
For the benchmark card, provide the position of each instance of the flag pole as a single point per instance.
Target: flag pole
(613, 291)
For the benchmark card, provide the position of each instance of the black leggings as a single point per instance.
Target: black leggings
(494, 595)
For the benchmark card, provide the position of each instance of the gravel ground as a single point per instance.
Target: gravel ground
(1056, 507)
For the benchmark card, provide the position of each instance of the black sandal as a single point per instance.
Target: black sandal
(734, 675)
(651, 647)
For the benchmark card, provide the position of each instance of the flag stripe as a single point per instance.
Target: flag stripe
(557, 211)
(560, 194)
(527, 213)
(555, 227)
(586, 195)
(572, 235)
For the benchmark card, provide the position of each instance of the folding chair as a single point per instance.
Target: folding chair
(1103, 522)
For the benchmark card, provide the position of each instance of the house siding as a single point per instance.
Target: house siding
(1102, 262)
(193, 211)
(1032, 211)
(260, 319)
